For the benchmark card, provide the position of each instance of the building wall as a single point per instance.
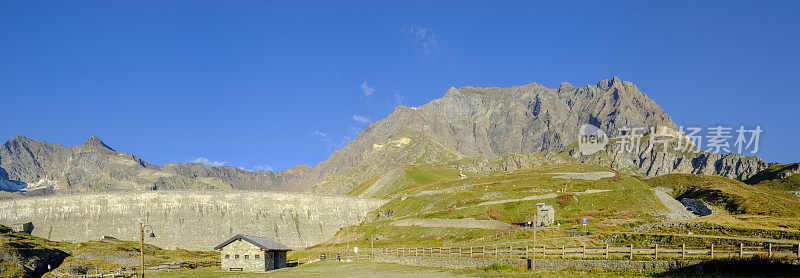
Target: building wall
(192, 220)
(243, 248)
(546, 217)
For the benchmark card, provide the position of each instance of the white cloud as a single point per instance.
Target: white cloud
(256, 168)
(424, 39)
(397, 99)
(360, 119)
(322, 135)
(209, 163)
(262, 168)
(368, 91)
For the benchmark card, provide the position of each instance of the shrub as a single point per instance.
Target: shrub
(500, 267)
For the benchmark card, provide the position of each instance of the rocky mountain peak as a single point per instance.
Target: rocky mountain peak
(95, 143)
(19, 140)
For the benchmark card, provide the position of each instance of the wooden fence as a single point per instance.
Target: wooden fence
(630, 252)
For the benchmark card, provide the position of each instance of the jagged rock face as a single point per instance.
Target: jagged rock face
(37, 168)
(497, 122)
(659, 162)
(492, 122)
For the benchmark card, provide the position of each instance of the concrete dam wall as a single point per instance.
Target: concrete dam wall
(189, 220)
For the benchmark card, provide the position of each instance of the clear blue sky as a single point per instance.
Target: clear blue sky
(255, 84)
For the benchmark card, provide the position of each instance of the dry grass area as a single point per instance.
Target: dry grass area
(366, 269)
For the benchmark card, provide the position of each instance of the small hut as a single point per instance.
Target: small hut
(251, 253)
(545, 215)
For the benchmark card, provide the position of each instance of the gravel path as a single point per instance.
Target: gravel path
(453, 223)
(585, 176)
(540, 197)
(676, 210)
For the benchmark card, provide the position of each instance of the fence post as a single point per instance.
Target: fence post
(606, 251)
(483, 251)
(770, 250)
(741, 250)
(544, 251)
(470, 251)
(563, 250)
(495, 253)
(459, 252)
(712, 251)
(584, 250)
(683, 251)
(656, 252)
(631, 255)
(510, 253)
(527, 255)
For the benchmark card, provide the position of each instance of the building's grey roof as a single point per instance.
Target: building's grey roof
(261, 242)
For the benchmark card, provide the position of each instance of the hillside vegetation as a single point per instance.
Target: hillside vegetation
(24, 255)
(734, 196)
(615, 204)
(779, 176)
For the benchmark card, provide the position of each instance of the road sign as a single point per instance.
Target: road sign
(584, 221)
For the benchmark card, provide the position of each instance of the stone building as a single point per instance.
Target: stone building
(545, 215)
(251, 253)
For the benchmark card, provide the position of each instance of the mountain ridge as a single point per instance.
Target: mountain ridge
(466, 122)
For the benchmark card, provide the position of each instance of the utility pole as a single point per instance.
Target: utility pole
(141, 242)
(533, 260)
(141, 245)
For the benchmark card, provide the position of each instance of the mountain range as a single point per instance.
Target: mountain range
(474, 129)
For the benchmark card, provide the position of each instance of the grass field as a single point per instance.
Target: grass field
(365, 269)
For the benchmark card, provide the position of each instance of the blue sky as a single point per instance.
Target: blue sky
(266, 85)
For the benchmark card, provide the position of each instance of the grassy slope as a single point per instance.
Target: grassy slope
(409, 176)
(628, 197)
(734, 196)
(436, 192)
(113, 254)
(779, 176)
(104, 254)
(20, 250)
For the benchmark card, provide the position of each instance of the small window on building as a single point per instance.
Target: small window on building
(258, 256)
(246, 256)
(236, 256)
(227, 256)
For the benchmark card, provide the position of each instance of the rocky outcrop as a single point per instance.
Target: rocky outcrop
(696, 207)
(22, 257)
(659, 160)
